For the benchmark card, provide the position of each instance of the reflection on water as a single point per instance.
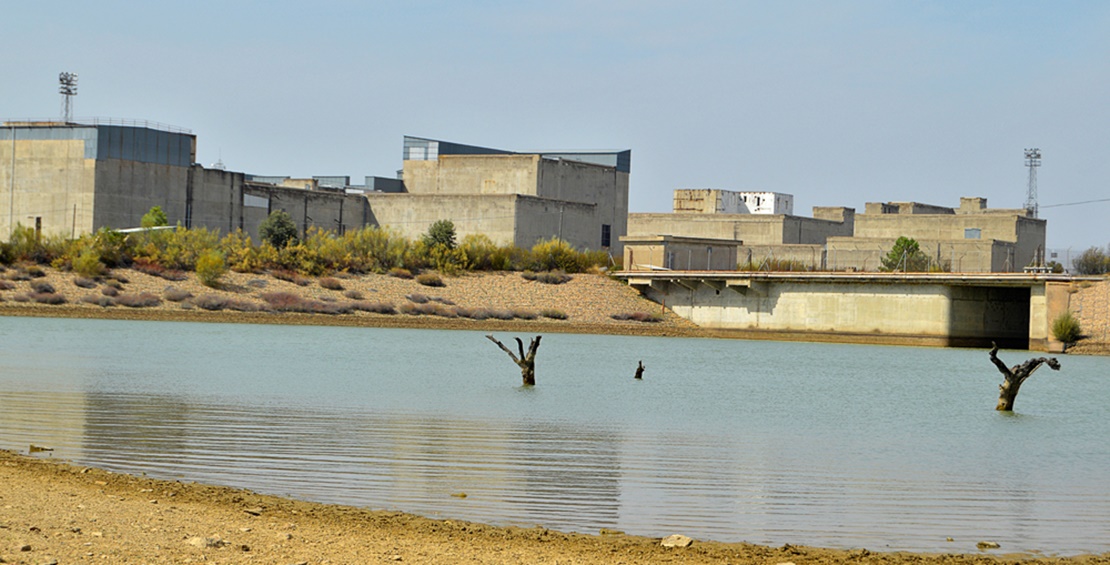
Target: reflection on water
(842, 446)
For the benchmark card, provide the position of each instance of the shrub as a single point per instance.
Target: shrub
(441, 233)
(35, 272)
(5, 285)
(19, 276)
(84, 282)
(176, 294)
(22, 297)
(42, 287)
(210, 267)
(553, 314)
(417, 298)
(906, 256)
(213, 302)
(400, 273)
(331, 283)
(109, 291)
(88, 264)
(474, 313)
(429, 279)
(547, 277)
(257, 283)
(141, 300)
(1066, 328)
(244, 306)
(102, 301)
(286, 302)
(556, 255)
(374, 307)
(47, 298)
(290, 276)
(524, 314)
(278, 229)
(153, 218)
(1093, 261)
(637, 317)
(353, 295)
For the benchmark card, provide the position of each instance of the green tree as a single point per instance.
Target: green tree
(155, 217)
(1091, 262)
(278, 229)
(906, 256)
(441, 233)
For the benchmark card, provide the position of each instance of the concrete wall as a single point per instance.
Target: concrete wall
(927, 313)
(47, 179)
(473, 174)
(717, 201)
(750, 228)
(328, 210)
(506, 219)
(678, 253)
(126, 190)
(771, 257)
(956, 255)
(604, 188)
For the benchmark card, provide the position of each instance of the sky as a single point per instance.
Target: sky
(838, 103)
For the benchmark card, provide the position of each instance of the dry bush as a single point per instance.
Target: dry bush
(245, 306)
(47, 298)
(212, 302)
(441, 300)
(109, 291)
(5, 285)
(553, 314)
(290, 276)
(102, 301)
(353, 295)
(524, 314)
(141, 300)
(19, 276)
(417, 298)
(501, 314)
(331, 283)
(429, 279)
(400, 273)
(42, 287)
(374, 307)
(84, 282)
(174, 294)
(637, 317)
(547, 277)
(35, 272)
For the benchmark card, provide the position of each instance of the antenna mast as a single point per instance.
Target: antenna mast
(1032, 160)
(68, 89)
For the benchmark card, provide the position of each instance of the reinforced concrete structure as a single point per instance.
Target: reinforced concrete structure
(512, 197)
(942, 309)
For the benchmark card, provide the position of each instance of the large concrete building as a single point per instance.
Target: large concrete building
(512, 197)
(70, 179)
(970, 239)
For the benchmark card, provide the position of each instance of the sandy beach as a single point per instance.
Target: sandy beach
(54, 512)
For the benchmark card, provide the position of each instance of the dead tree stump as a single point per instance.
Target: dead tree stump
(1008, 390)
(526, 361)
(640, 371)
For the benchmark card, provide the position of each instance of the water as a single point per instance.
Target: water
(889, 448)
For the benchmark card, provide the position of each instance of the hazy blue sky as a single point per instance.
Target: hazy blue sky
(837, 103)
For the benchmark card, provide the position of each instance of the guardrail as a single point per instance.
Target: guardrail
(97, 121)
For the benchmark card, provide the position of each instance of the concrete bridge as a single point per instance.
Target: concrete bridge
(939, 309)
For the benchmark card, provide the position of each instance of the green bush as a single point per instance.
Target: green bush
(1066, 328)
(210, 267)
(278, 229)
(154, 218)
(906, 256)
(441, 233)
(88, 264)
(429, 279)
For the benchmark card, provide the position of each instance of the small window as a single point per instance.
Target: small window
(605, 235)
(972, 233)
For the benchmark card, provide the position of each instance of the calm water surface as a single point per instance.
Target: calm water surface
(832, 445)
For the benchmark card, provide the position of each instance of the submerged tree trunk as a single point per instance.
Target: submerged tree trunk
(526, 361)
(1008, 390)
(640, 371)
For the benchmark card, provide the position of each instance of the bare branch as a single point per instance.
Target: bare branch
(505, 349)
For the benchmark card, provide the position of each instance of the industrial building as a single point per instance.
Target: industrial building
(971, 238)
(514, 198)
(73, 178)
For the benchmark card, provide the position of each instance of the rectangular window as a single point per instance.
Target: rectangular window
(605, 235)
(972, 233)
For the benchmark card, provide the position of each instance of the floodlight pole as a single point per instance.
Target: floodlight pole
(68, 90)
(1032, 160)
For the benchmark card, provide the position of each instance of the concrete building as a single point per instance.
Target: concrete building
(668, 252)
(969, 239)
(764, 238)
(514, 198)
(715, 201)
(70, 179)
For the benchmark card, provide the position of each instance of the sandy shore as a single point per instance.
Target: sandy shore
(52, 512)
